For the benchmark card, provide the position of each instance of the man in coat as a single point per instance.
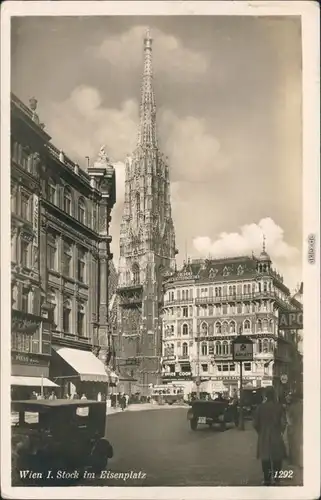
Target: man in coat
(270, 423)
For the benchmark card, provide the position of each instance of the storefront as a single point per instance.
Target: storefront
(30, 374)
(78, 373)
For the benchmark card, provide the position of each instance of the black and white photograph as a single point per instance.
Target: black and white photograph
(160, 250)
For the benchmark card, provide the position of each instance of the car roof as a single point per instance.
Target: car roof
(54, 403)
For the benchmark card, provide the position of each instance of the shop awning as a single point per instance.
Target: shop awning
(32, 381)
(85, 363)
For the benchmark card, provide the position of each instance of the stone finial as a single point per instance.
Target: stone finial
(102, 155)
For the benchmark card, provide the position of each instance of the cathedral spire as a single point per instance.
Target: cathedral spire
(147, 136)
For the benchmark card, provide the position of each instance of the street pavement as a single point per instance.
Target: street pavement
(161, 449)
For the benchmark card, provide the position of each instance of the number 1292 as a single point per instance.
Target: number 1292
(283, 474)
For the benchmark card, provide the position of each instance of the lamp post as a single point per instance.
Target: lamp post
(242, 349)
(198, 378)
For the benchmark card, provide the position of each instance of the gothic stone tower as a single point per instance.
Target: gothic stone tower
(147, 246)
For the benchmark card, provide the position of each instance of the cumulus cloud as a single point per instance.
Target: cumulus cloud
(125, 52)
(194, 152)
(250, 238)
(81, 124)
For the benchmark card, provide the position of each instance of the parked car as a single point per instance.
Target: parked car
(59, 435)
(211, 412)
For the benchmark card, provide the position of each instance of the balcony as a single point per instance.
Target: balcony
(71, 337)
(177, 302)
(235, 297)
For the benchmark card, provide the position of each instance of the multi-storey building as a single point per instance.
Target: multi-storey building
(60, 261)
(206, 305)
(147, 244)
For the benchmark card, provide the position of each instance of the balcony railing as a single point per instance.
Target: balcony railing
(70, 336)
(178, 301)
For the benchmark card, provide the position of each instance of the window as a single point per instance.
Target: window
(265, 346)
(53, 306)
(225, 368)
(185, 349)
(66, 317)
(219, 368)
(24, 246)
(80, 320)
(211, 348)
(239, 308)
(94, 218)
(218, 348)
(218, 328)
(205, 367)
(247, 325)
(25, 300)
(13, 200)
(265, 325)
(224, 309)
(259, 325)
(225, 327)
(81, 211)
(232, 367)
(51, 252)
(247, 367)
(204, 328)
(51, 191)
(232, 327)
(185, 312)
(225, 348)
(136, 277)
(67, 201)
(204, 349)
(185, 329)
(67, 257)
(20, 342)
(25, 205)
(81, 265)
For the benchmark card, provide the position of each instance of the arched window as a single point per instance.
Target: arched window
(259, 325)
(185, 329)
(271, 326)
(136, 278)
(232, 327)
(225, 348)
(265, 325)
(185, 349)
(218, 348)
(265, 286)
(67, 200)
(265, 345)
(218, 327)
(247, 325)
(225, 327)
(204, 328)
(259, 345)
(81, 210)
(204, 349)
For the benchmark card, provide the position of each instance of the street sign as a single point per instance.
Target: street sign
(242, 349)
(284, 378)
(291, 320)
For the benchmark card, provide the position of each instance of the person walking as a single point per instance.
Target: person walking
(270, 423)
(52, 396)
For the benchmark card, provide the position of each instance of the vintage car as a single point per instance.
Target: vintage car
(219, 412)
(58, 435)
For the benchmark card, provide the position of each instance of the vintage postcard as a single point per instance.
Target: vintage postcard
(160, 263)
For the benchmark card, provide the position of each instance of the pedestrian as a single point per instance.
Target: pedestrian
(83, 396)
(127, 399)
(122, 401)
(270, 423)
(52, 395)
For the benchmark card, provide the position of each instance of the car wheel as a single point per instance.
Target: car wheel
(194, 424)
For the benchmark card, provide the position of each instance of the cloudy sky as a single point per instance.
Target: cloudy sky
(228, 91)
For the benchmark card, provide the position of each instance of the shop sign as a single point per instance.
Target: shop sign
(169, 358)
(35, 220)
(242, 349)
(25, 358)
(291, 320)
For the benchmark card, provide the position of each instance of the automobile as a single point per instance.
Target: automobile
(211, 412)
(58, 435)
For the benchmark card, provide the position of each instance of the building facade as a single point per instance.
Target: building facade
(147, 245)
(206, 305)
(60, 261)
